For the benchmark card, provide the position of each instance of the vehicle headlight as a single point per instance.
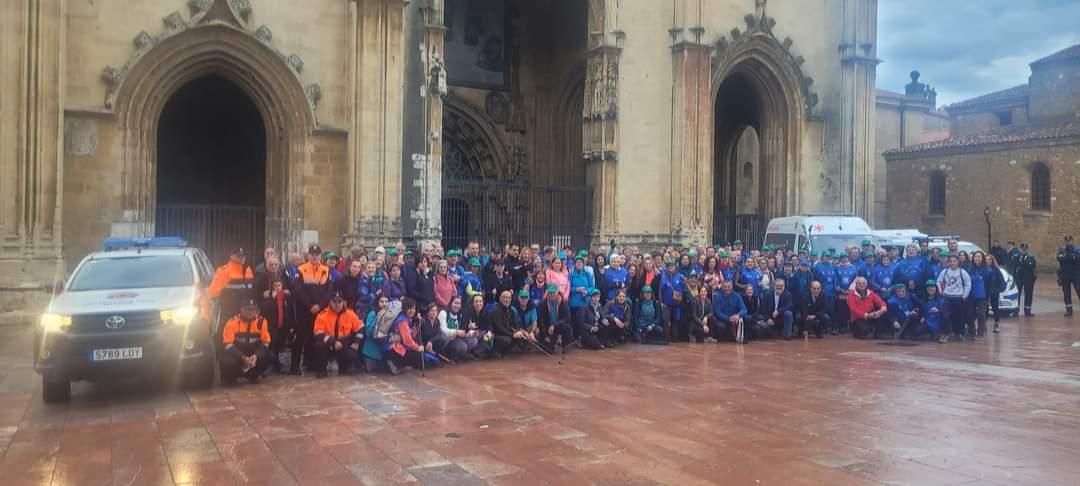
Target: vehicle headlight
(181, 315)
(54, 322)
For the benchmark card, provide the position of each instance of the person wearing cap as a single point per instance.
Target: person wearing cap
(673, 295)
(618, 314)
(933, 315)
(904, 310)
(727, 267)
(815, 313)
(866, 310)
(331, 260)
(525, 314)
(498, 280)
(312, 295)
(649, 326)
(233, 283)
(799, 284)
(729, 312)
(246, 341)
(581, 282)
(338, 335)
(453, 262)
(1068, 273)
(1025, 276)
(594, 332)
(471, 284)
(553, 318)
(954, 283)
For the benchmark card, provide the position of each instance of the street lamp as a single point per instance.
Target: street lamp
(986, 214)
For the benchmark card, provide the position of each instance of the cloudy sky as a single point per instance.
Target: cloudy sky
(965, 48)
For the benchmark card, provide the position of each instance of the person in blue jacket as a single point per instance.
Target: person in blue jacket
(616, 276)
(581, 282)
(911, 270)
(846, 272)
(825, 273)
(980, 274)
(881, 277)
(866, 268)
(649, 320)
(471, 282)
(799, 285)
(933, 314)
(729, 312)
(672, 293)
(749, 276)
(904, 311)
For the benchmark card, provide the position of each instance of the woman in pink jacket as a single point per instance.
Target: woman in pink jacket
(556, 274)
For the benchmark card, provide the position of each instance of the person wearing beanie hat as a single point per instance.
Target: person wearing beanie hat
(246, 341)
(553, 319)
(581, 282)
(649, 327)
(904, 312)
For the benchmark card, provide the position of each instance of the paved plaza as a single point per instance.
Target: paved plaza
(1001, 411)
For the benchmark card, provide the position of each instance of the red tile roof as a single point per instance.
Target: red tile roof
(1016, 93)
(1067, 54)
(1014, 134)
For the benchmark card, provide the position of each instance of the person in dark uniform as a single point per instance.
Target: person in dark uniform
(246, 341)
(553, 316)
(1011, 257)
(233, 283)
(338, 334)
(1068, 274)
(312, 295)
(1025, 277)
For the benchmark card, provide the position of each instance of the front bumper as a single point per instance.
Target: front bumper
(68, 357)
(1009, 302)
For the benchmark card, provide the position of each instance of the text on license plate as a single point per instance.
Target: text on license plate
(115, 354)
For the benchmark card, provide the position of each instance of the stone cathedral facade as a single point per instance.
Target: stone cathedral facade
(361, 122)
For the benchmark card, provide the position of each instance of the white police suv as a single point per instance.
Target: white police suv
(136, 311)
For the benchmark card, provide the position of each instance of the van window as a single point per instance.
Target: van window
(780, 240)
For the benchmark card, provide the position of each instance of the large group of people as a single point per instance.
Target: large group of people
(395, 308)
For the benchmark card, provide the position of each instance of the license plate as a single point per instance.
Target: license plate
(115, 354)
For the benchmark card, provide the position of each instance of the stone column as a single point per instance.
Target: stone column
(691, 144)
(600, 129)
(31, 120)
(858, 54)
(376, 73)
(428, 212)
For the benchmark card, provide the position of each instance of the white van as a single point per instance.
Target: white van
(817, 233)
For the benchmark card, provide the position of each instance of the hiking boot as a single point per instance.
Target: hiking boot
(997, 328)
(1068, 312)
(394, 370)
(321, 374)
(943, 339)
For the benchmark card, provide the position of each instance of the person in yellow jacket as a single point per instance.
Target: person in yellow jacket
(246, 340)
(338, 336)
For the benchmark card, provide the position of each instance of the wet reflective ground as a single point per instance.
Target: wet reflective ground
(1001, 411)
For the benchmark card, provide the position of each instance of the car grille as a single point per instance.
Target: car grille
(132, 321)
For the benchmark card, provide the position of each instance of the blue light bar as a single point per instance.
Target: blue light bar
(117, 244)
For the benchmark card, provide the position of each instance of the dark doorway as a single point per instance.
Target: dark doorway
(455, 223)
(738, 187)
(211, 168)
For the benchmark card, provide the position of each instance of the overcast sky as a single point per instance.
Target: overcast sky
(965, 48)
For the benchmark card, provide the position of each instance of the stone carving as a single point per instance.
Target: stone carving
(611, 86)
(203, 12)
(80, 137)
(175, 22)
(143, 40)
(517, 113)
(760, 25)
(264, 34)
(923, 91)
(296, 63)
(497, 107)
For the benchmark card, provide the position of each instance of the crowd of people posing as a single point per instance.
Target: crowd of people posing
(395, 308)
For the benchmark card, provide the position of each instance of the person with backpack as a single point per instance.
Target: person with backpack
(955, 286)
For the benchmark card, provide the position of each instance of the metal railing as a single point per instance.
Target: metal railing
(496, 214)
(749, 228)
(215, 229)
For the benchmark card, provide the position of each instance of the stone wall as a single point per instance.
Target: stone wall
(921, 124)
(1055, 91)
(998, 177)
(985, 118)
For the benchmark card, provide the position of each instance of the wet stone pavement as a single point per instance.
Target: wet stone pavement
(1001, 411)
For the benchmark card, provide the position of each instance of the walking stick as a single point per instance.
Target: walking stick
(538, 346)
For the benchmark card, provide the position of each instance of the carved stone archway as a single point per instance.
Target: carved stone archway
(215, 40)
(775, 98)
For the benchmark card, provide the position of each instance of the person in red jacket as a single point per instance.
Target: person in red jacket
(338, 334)
(867, 310)
(404, 350)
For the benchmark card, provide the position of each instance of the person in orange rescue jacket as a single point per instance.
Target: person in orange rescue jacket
(246, 339)
(338, 336)
(312, 294)
(233, 284)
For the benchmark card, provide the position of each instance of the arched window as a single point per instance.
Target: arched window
(937, 193)
(1040, 187)
(748, 171)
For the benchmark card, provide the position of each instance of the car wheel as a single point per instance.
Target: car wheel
(55, 391)
(200, 376)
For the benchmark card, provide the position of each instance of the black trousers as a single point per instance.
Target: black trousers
(728, 331)
(1027, 290)
(759, 330)
(597, 340)
(1067, 287)
(956, 312)
(698, 330)
(818, 324)
(870, 328)
(550, 333)
(301, 339)
(411, 358)
(843, 314)
(322, 353)
(994, 306)
(231, 364)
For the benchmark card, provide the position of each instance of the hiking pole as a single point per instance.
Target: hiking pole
(539, 347)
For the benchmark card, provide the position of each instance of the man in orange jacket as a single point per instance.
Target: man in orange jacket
(338, 336)
(246, 338)
(233, 284)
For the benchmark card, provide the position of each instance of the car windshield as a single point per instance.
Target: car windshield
(839, 243)
(139, 272)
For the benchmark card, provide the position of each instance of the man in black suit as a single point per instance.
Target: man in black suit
(777, 307)
(815, 314)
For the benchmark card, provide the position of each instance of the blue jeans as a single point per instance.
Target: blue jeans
(789, 321)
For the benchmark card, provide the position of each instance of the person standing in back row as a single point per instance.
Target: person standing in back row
(1068, 274)
(312, 296)
(233, 284)
(1025, 277)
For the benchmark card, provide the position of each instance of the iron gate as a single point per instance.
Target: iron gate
(215, 229)
(750, 228)
(497, 214)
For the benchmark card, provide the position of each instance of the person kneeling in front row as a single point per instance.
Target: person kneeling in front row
(815, 313)
(649, 320)
(867, 310)
(338, 336)
(247, 342)
(729, 312)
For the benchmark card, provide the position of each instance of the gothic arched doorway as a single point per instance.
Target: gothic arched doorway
(211, 170)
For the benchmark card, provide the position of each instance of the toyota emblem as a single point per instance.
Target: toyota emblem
(115, 322)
